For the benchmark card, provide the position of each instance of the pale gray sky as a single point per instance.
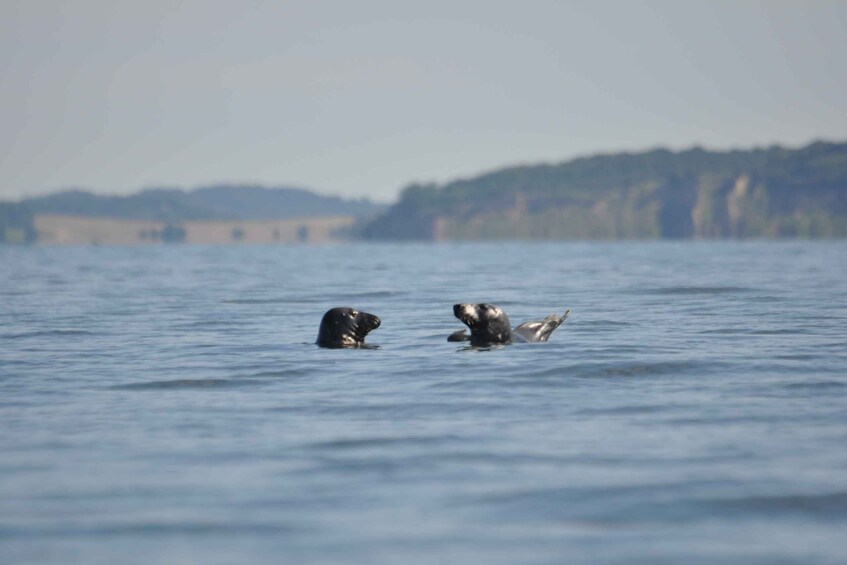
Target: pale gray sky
(361, 98)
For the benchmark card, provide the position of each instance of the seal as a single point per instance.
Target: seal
(346, 327)
(489, 325)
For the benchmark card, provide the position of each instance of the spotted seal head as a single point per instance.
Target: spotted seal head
(346, 327)
(489, 325)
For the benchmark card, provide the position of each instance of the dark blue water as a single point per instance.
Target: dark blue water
(166, 405)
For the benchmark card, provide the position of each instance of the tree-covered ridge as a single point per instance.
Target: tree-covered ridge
(773, 192)
(220, 202)
(174, 206)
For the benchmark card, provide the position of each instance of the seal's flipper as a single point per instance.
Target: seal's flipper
(459, 335)
(540, 331)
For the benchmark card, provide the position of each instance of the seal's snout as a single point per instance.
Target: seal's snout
(466, 313)
(461, 312)
(373, 322)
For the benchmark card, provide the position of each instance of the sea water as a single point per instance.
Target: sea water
(168, 405)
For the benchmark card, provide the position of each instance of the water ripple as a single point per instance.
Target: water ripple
(177, 384)
(47, 333)
(695, 290)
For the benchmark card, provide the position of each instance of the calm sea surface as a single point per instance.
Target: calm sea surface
(167, 405)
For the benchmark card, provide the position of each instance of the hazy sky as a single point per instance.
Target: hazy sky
(361, 98)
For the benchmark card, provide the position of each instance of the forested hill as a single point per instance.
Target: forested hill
(221, 202)
(773, 192)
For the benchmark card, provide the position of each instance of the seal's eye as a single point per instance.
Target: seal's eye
(353, 314)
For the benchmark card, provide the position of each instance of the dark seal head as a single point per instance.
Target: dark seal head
(489, 325)
(346, 327)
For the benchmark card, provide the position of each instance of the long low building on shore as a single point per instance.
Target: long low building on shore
(75, 230)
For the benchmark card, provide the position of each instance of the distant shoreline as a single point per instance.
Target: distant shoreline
(52, 229)
(770, 193)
